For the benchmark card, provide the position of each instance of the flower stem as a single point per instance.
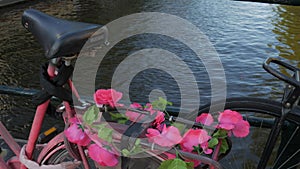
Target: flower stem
(177, 153)
(198, 150)
(216, 152)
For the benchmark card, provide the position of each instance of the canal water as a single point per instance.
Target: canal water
(244, 34)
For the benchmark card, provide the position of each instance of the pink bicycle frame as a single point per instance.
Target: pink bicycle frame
(36, 128)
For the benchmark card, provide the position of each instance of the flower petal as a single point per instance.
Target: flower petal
(134, 116)
(108, 97)
(102, 156)
(228, 119)
(167, 138)
(136, 106)
(226, 126)
(75, 135)
(205, 119)
(241, 129)
(193, 137)
(160, 117)
(151, 133)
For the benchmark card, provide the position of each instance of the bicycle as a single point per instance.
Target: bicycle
(62, 40)
(59, 151)
(274, 118)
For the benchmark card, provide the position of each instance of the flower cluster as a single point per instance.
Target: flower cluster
(197, 140)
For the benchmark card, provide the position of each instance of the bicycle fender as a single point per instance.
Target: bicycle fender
(58, 139)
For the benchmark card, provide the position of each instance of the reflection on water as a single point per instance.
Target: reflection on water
(243, 33)
(287, 32)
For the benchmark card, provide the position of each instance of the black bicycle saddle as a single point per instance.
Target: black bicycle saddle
(57, 36)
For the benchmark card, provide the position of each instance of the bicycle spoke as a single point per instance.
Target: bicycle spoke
(289, 158)
(284, 148)
(298, 164)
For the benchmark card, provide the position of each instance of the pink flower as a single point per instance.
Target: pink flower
(102, 156)
(76, 134)
(205, 148)
(152, 134)
(195, 137)
(135, 105)
(170, 156)
(167, 138)
(205, 119)
(233, 121)
(149, 108)
(135, 116)
(228, 119)
(160, 117)
(109, 96)
(241, 129)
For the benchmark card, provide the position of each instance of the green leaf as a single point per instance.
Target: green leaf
(178, 164)
(224, 146)
(160, 104)
(105, 134)
(91, 114)
(175, 164)
(125, 152)
(99, 126)
(213, 142)
(220, 133)
(116, 116)
(137, 142)
(120, 118)
(181, 127)
(165, 164)
(189, 165)
(136, 150)
(122, 121)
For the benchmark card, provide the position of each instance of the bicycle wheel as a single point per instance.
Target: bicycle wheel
(60, 156)
(261, 114)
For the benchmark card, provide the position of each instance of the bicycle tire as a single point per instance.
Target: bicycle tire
(268, 110)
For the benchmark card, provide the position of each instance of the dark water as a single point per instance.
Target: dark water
(244, 35)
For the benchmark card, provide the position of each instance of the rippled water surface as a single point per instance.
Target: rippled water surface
(244, 34)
